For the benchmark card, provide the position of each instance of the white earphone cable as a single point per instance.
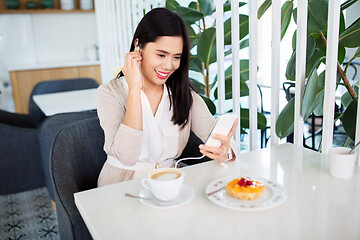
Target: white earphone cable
(182, 159)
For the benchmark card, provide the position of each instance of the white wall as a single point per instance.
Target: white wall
(30, 39)
(46, 38)
(63, 37)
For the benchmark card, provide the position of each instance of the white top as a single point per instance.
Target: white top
(156, 148)
(318, 206)
(70, 101)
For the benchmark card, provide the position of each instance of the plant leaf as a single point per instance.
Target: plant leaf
(244, 89)
(317, 16)
(286, 11)
(211, 106)
(199, 87)
(350, 37)
(310, 52)
(193, 5)
(243, 28)
(346, 98)
(195, 64)
(285, 122)
(192, 34)
(227, 6)
(347, 4)
(319, 109)
(310, 95)
(171, 5)
(244, 119)
(189, 15)
(313, 61)
(342, 23)
(349, 119)
(207, 6)
(262, 9)
(244, 71)
(341, 54)
(243, 44)
(206, 50)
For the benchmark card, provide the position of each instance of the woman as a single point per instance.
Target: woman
(147, 112)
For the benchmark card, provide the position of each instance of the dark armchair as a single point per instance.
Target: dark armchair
(53, 86)
(47, 133)
(20, 157)
(76, 160)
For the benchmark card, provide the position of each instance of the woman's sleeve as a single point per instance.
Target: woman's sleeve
(201, 118)
(122, 142)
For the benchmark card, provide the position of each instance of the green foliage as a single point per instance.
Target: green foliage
(286, 11)
(313, 98)
(204, 40)
(349, 119)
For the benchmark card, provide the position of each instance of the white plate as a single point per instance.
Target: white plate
(273, 196)
(185, 196)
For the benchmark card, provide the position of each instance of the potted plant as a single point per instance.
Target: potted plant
(203, 45)
(312, 102)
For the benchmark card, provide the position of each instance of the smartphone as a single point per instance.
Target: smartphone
(222, 126)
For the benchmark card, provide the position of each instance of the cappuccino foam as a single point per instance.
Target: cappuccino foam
(165, 176)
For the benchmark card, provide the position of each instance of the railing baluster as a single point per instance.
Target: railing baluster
(220, 55)
(330, 74)
(235, 34)
(301, 36)
(275, 67)
(253, 73)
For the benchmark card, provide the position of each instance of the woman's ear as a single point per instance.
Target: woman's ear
(136, 44)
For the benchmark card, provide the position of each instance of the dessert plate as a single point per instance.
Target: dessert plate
(273, 195)
(185, 196)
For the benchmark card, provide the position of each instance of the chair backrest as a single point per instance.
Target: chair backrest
(19, 158)
(53, 86)
(287, 86)
(47, 133)
(16, 119)
(76, 160)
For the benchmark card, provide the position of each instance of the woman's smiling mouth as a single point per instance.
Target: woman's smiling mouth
(162, 75)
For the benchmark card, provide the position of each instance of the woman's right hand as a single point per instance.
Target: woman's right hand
(131, 70)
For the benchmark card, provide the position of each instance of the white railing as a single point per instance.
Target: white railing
(331, 69)
(116, 20)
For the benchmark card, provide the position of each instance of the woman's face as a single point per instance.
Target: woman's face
(160, 59)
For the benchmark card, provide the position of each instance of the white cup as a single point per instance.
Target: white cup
(341, 163)
(164, 183)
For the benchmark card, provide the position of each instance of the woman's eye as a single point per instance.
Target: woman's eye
(177, 58)
(161, 55)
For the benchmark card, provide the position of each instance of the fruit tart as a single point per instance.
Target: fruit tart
(245, 188)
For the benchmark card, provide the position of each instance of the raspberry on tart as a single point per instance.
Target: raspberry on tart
(245, 188)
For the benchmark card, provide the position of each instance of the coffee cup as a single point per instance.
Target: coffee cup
(164, 183)
(341, 163)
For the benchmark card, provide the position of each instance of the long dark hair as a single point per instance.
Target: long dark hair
(162, 22)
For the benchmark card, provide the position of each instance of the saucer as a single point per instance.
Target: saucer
(274, 195)
(185, 196)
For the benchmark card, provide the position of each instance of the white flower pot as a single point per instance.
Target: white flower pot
(341, 163)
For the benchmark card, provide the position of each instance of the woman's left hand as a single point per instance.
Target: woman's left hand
(219, 154)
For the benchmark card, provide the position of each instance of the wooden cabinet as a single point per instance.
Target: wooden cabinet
(23, 82)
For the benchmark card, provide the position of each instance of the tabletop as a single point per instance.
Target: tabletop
(69, 101)
(317, 206)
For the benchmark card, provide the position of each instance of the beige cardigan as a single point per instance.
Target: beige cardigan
(124, 143)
